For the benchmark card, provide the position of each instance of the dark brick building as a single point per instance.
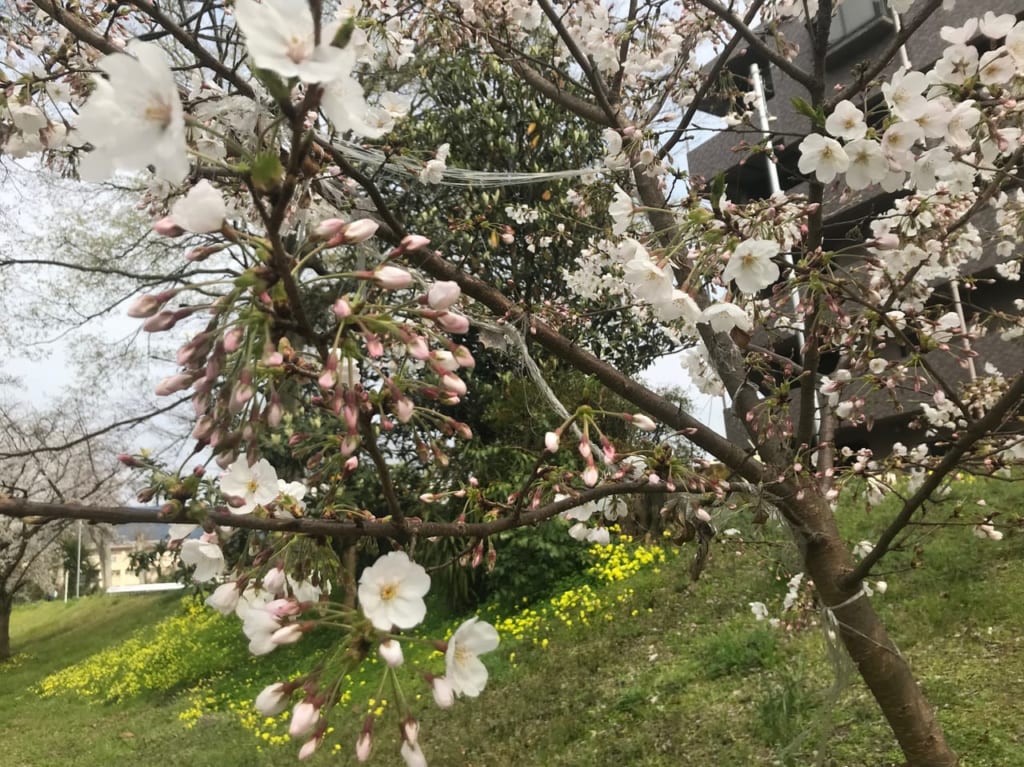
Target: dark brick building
(861, 31)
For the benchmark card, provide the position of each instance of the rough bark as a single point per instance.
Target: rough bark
(884, 669)
(6, 606)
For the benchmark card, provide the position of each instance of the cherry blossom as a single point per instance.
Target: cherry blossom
(463, 668)
(846, 122)
(868, 164)
(254, 485)
(391, 592)
(205, 555)
(201, 210)
(822, 156)
(273, 699)
(133, 117)
(279, 35)
(751, 266)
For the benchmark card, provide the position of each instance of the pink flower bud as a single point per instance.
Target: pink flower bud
(453, 383)
(202, 253)
(464, 357)
(329, 227)
(289, 634)
(304, 719)
(410, 730)
(391, 652)
(158, 323)
(240, 395)
(463, 430)
(174, 383)
(147, 306)
(374, 347)
(444, 695)
(360, 230)
(417, 346)
(273, 699)
(643, 422)
(392, 277)
(454, 322)
(404, 408)
(284, 607)
(342, 309)
(364, 746)
(204, 428)
(443, 295)
(310, 746)
(233, 340)
(590, 476)
(413, 242)
(166, 227)
(275, 413)
(274, 581)
(327, 379)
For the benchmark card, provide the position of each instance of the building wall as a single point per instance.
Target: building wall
(892, 418)
(720, 152)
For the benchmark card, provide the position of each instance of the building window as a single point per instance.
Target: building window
(855, 22)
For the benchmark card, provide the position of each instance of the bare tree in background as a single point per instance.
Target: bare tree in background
(83, 472)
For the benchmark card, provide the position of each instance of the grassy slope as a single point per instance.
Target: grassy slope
(690, 679)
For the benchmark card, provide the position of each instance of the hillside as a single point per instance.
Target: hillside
(635, 666)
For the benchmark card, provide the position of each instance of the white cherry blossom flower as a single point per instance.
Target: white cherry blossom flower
(760, 610)
(1015, 42)
(224, 598)
(996, 27)
(903, 94)
(200, 211)
(205, 555)
(344, 104)
(256, 485)
(960, 35)
(463, 668)
(680, 306)
(988, 531)
(650, 282)
(867, 163)
(846, 122)
(963, 117)
(273, 699)
(433, 171)
(391, 592)
(133, 118)
(621, 211)
(822, 156)
(899, 139)
(958, 63)
(723, 317)
(751, 266)
(996, 67)
(280, 37)
(27, 118)
(412, 754)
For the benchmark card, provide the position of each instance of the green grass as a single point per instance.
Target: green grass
(650, 670)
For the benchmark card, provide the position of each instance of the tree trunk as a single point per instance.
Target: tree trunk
(6, 605)
(883, 668)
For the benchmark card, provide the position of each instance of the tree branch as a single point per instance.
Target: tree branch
(350, 530)
(1011, 399)
(927, 9)
(134, 420)
(758, 45)
(708, 83)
